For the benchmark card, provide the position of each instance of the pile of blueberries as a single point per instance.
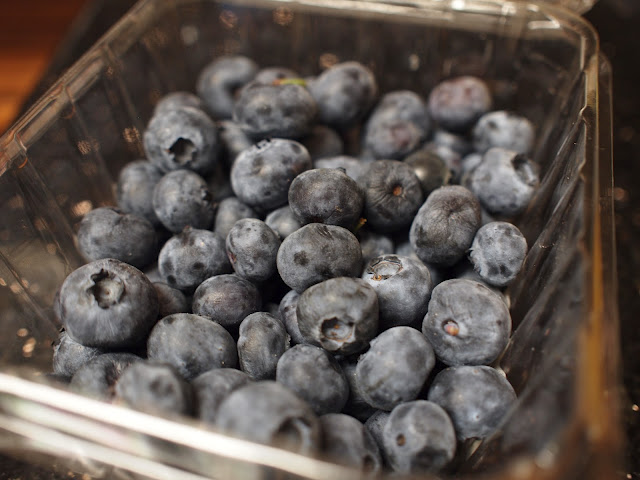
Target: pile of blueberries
(310, 264)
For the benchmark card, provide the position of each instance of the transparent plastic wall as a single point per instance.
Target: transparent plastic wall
(62, 158)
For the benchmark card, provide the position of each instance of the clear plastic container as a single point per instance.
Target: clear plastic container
(62, 157)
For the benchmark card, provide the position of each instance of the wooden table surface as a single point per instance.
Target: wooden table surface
(30, 31)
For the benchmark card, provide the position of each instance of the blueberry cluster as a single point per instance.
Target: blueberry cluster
(309, 264)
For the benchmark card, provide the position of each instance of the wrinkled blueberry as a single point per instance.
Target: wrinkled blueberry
(97, 378)
(108, 304)
(395, 368)
(262, 174)
(171, 300)
(317, 252)
(288, 315)
(325, 195)
(181, 199)
(190, 257)
(252, 248)
(444, 227)
(457, 103)
(313, 374)
(497, 252)
(212, 387)
(134, 191)
(323, 142)
(503, 129)
(226, 299)
(107, 232)
(262, 341)
(283, 221)
(230, 210)
(192, 344)
(178, 99)
(430, 168)
(467, 323)
(475, 397)
(339, 315)
(69, 355)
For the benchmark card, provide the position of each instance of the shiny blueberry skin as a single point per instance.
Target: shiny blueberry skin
(262, 174)
(403, 286)
(393, 195)
(430, 168)
(346, 442)
(467, 323)
(252, 247)
(69, 355)
(339, 315)
(283, 221)
(323, 142)
(212, 387)
(175, 100)
(317, 252)
(192, 344)
(444, 227)
(264, 111)
(108, 304)
(395, 368)
(182, 198)
(230, 210)
(504, 182)
(475, 397)
(226, 299)
(155, 389)
(344, 94)
(498, 252)
(171, 300)
(326, 195)
(184, 137)
(503, 129)
(219, 80)
(134, 192)
(457, 103)
(287, 313)
(419, 437)
(269, 413)
(374, 244)
(108, 232)
(98, 377)
(261, 342)
(190, 257)
(313, 374)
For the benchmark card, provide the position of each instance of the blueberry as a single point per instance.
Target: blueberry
(323, 142)
(419, 437)
(107, 232)
(184, 137)
(457, 103)
(356, 405)
(504, 182)
(325, 195)
(155, 389)
(404, 105)
(467, 323)
(182, 198)
(262, 174)
(497, 252)
(230, 210)
(430, 168)
(252, 248)
(262, 341)
(374, 244)
(503, 129)
(134, 190)
(393, 195)
(274, 75)
(98, 377)
(267, 412)
(190, 257)
(191, 344)
(234, 139)
(218, 82)
(317, 252)
(403, 286)
(288, 315)
(108, 304)
(375, 426)
(476, 398)
(175, 100)
(286, 110)
(353, 167)
(344, 94)
(452, 159)
(313, 374)
(219, 184)
(212, 387)
(444, 227)
(339, 315)
(458, 143)
(346, 442)
(69, 355)
(395, 368)
(226, 299)
(283, 221)
(171, 300)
